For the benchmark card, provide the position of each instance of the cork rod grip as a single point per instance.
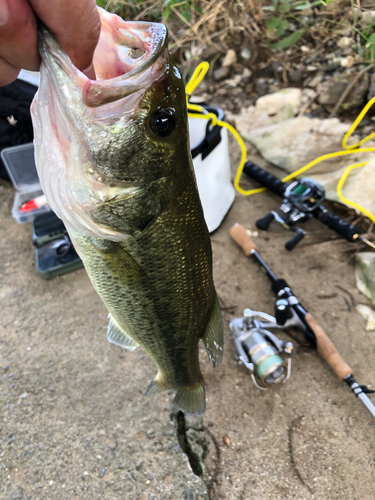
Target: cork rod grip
(240, 236)
(327, 350)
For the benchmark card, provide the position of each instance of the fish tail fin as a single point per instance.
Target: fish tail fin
(156, 386)
(191, 399)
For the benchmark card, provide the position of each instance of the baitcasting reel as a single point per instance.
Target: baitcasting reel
(260, 350)
(301, 200)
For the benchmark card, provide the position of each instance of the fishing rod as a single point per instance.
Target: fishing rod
(302, 200)
(287, 304)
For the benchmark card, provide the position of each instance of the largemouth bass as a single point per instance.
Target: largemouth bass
(113, 157)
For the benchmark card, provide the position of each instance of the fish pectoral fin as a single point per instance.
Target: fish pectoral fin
(117, 336)
(191, 399)
(213, 335)
(156, 386)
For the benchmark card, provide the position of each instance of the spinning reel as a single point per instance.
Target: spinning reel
(267, 357)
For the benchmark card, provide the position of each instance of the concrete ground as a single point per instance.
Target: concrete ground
(74, 421)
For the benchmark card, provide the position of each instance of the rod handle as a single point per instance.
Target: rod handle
(240, 236)
(343, 228)
(267, 180)
(327, 350)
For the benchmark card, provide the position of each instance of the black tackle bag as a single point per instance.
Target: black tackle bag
(15, 119)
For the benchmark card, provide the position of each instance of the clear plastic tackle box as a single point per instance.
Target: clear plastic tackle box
(20, 164)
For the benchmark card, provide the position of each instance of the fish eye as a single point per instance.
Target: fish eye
(163, 122)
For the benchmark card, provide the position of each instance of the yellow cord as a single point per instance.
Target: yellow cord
(342, 197)
(201, 112)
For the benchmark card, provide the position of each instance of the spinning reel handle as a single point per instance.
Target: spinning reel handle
(266, 179)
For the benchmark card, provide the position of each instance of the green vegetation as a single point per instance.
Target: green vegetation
(277, 24)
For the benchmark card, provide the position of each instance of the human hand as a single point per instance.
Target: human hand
(76, 25)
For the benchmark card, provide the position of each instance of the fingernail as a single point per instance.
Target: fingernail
(4, 12)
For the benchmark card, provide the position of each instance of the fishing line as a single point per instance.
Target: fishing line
(196, 111)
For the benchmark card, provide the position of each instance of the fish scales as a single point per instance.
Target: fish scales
(114, 160)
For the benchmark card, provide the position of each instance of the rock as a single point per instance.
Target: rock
(210, 52)
(150, 433)
(245, 54)
(345, 42)
(334, 88)
(233, 82)
(347, 52)
(249, 88)
(189, 494)
(278, 101)
(238, 68)
(295, 76)
(310, 68)
(314, 81)
(139, 465)
(246, 76)
(333, 65)
(368, 314)
(347, 62)
(261, 86)
(293, 143)
(229, 58)
(365, 274)
(357, 13)
(221, 73)
(367, 17)
(227, 441)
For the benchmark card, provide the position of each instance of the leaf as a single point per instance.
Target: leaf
(303, 6)
(198, 9)
(285, 7)
(366, 33)
(167, 12)
(289, 41)
(275, 25)
(101, 3)
(269, 7)
(369, 55)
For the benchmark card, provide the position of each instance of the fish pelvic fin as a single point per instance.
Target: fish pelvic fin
(156, 386)
(212, 337)
(191, 399)
(117, 336)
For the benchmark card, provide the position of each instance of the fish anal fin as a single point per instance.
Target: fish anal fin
(191, 399)
(117, 336)
(156, 386)
(212, 337)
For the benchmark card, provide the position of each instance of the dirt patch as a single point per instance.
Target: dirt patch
(75, 422)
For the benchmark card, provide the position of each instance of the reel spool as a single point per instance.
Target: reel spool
(267, 357)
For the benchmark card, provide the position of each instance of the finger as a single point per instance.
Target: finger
(18, 36)
(76, 26)
(8, 73)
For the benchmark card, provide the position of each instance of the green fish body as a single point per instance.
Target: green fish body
(114, 160)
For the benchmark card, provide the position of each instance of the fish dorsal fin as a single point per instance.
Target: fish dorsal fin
(116, 335)
(213, 335)
(191, 399)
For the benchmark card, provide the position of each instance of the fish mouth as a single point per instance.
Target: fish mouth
(127, 59)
